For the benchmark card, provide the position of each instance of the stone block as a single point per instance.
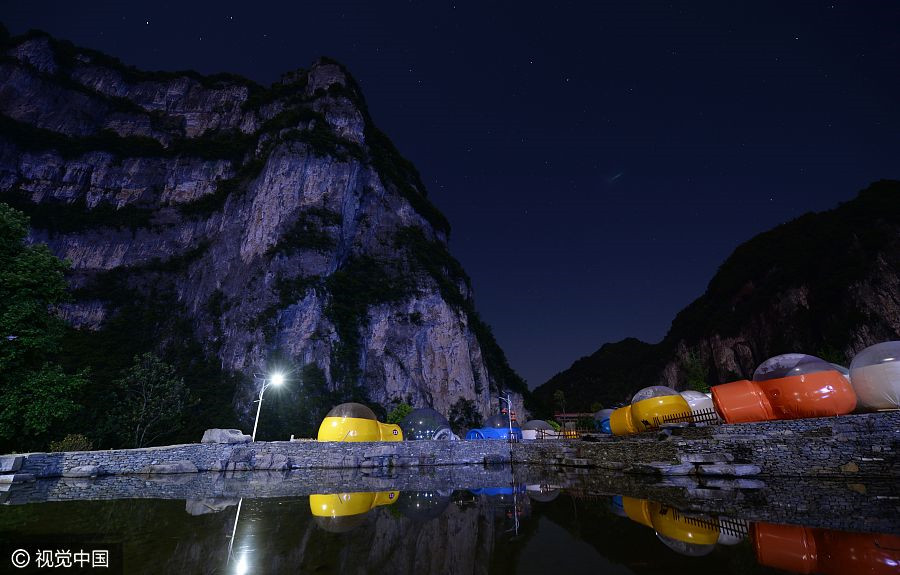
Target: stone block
(82, 471)
(11, 463)
(224, 436)
(208, 505)
(16, 478)
(721, 457)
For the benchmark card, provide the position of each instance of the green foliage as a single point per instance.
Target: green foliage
(362, 282)
(151, 403)
(59, 218)
(432, 258)
(323, 142)
(559, 401)
(830, 354)
(32, 138)
(36, 395)
(596, 406)
(556, 426)
(696, 373)
(283, 90)
(464, 414)
(396, 170)
(308, 232)
(584, 423)
(72, 442)
(144, 296)
(398, 413)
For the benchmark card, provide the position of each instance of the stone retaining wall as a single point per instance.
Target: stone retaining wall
(864, 444)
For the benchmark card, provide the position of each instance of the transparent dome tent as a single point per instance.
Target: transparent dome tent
(697, 400)
(875, 376)
(426, 423)
(356, 410)
(788, 386)
(496, 427)
(601, 420)
(356, 422)
(650, 408)
(791, 365)
(651, 392)
(538, 429)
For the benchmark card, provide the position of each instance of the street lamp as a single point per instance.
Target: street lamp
(275, 379)
(508, 415)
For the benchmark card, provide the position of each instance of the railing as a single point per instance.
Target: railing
(725, 525)
(707, 416)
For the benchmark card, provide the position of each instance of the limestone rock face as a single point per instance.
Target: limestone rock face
(269, 220)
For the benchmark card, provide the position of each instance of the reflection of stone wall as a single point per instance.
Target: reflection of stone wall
(846, 446)
(267, 484)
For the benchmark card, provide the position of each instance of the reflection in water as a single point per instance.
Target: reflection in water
(806, 550)
(791, 548)
(342, 512)
(424, 505)
(495, 530)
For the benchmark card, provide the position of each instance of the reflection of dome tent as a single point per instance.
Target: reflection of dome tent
(356, 422)
(686, 547)
(425, 423)
(692, 538)
(495, 427)
(423, 505)
(341, 512)
(542, 493)
(789, 386)
(813, 550)
(649, 408)
(875, 376)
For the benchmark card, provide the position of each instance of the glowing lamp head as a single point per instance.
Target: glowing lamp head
(277, 379)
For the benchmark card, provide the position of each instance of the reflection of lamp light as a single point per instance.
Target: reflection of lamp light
(241, 568)
(275, 379)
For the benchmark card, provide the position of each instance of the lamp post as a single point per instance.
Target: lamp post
(275, 379)
(509, 437)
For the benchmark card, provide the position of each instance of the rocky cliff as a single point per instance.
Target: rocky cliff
(825, 283)
(250, 228)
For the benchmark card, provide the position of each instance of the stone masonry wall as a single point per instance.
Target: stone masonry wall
(865, 445)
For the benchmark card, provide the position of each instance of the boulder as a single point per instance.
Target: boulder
(11, 463)
(224, 436)
(82, 471)
(208, 505)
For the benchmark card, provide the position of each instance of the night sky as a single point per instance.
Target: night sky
(596, 163)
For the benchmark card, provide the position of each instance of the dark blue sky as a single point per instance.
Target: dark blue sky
(597, 161)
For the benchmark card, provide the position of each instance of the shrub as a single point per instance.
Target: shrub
(398, 413)
(72, 442)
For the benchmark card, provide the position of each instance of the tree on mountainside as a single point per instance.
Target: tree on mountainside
(35, 393)
(695, 373)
